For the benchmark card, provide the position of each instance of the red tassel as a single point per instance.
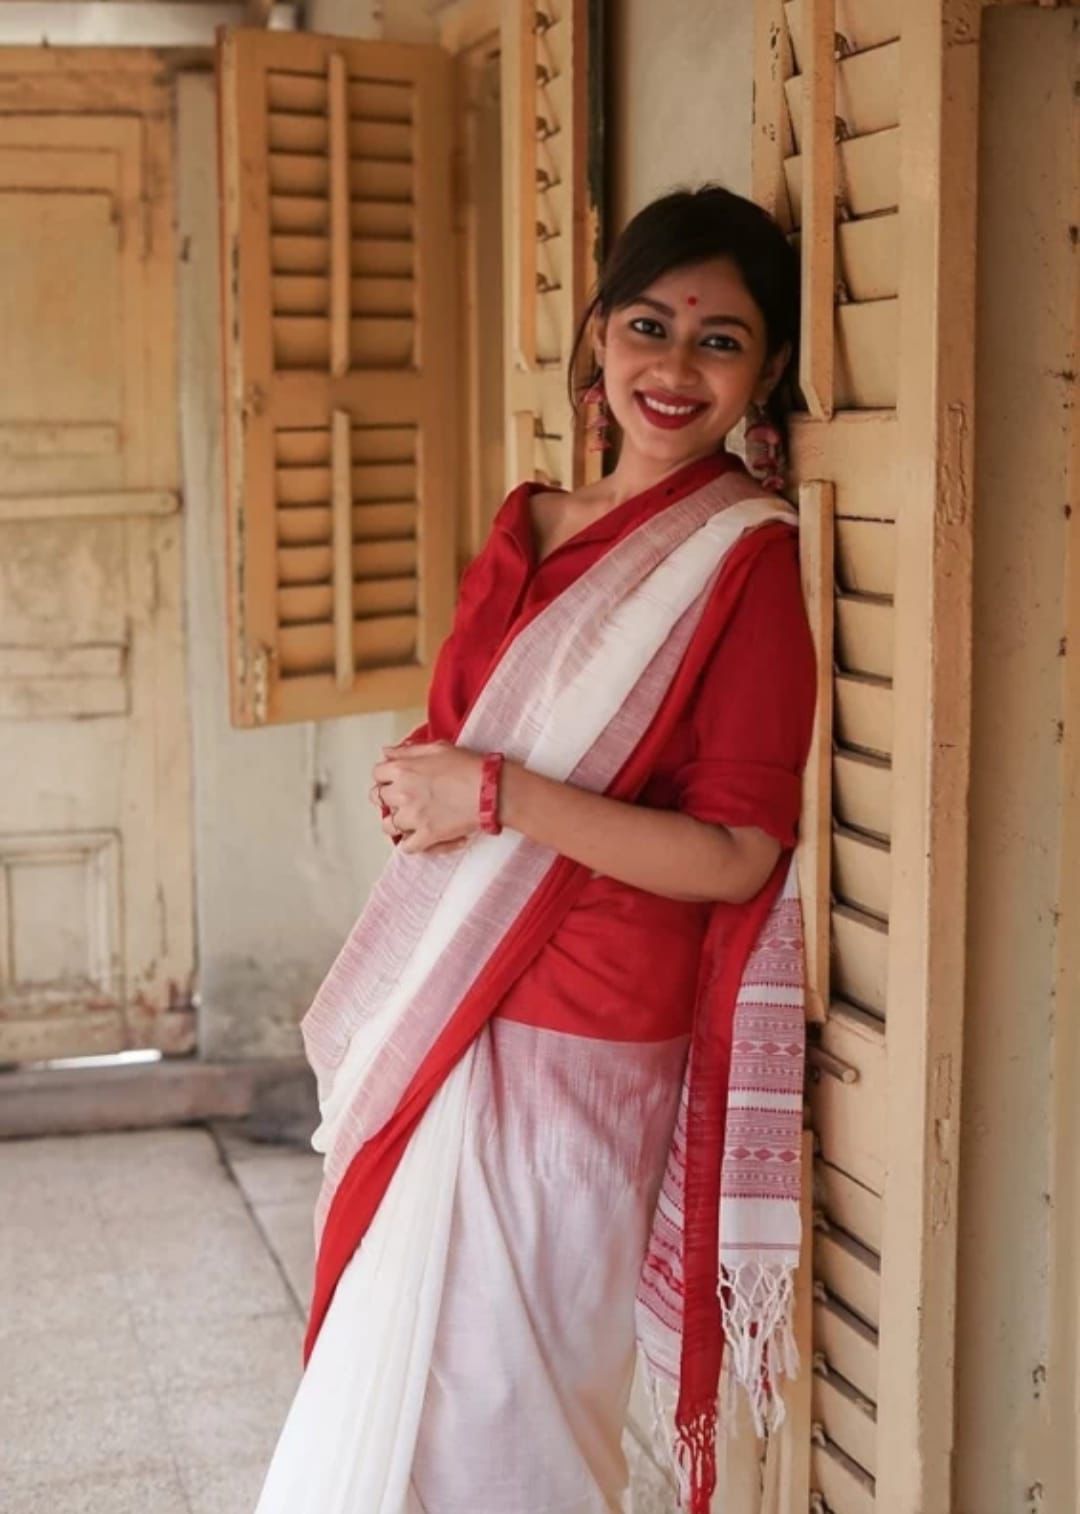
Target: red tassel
(697, 1454)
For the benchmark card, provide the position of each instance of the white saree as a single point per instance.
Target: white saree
(442, 1277)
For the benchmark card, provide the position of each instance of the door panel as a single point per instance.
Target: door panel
(96, 948)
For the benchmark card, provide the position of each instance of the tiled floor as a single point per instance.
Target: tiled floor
(152, 1291)
(152, 1287)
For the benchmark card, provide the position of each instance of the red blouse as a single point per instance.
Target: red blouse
(622, 964)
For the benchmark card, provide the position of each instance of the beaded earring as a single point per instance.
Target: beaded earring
(765, 459)
(598, 428)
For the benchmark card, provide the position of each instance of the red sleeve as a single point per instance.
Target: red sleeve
(754, 713)
(479, 620)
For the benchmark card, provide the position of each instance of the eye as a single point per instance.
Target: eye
(644, 320)
(729, 344)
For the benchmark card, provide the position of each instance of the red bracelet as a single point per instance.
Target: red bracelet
(490, 773)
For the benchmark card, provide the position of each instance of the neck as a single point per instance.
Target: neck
(634, 473)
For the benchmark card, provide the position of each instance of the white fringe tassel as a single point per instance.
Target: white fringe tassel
(756, 1303)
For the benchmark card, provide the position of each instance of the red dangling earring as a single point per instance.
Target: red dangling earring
(598, 428)
(765, 460)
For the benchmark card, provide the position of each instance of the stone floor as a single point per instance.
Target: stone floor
(152, 1287)
(152, 1291)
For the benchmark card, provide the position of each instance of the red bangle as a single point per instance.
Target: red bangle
(490, 773)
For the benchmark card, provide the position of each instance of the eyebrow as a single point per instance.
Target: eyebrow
(708, 320)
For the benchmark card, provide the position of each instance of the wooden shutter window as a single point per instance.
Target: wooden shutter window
(827, 164)
(336, 170)
(856, 150)
(552, 231)
(882, 462)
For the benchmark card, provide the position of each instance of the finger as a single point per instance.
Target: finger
(411, 748)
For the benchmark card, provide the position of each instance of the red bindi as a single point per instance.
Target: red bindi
(691, 299)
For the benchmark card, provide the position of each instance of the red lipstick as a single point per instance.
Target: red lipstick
(658, 418)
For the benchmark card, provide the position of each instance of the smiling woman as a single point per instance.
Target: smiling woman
(543, 1153)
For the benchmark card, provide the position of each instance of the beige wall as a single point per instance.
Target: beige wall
(680, 90)
(1007, 1192)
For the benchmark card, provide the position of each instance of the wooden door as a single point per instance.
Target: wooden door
(96, 948)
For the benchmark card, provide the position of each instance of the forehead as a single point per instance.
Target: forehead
(712, 287)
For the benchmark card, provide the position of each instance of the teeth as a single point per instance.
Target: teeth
(669, 409)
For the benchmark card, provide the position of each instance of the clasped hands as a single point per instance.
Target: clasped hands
(432, 790)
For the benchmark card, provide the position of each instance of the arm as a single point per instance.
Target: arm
(737, 792)
(664, 851)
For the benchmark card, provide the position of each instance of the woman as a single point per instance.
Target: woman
(581, 970)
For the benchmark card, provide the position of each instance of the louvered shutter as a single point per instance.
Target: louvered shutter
(551, 221)
(836, 164)
(339, 294)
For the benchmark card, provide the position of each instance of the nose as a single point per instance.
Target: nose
(678, 369)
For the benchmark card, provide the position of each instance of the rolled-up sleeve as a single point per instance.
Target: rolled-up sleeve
(754, 710)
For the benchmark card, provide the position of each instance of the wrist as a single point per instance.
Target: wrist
(513, 778)
(489, 817)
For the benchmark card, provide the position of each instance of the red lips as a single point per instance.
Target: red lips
(667, 422)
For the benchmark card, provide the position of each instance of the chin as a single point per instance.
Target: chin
(673, 447)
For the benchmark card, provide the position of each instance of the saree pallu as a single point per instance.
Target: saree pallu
(584, 693)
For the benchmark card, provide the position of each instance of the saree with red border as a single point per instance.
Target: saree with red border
(681, 1304)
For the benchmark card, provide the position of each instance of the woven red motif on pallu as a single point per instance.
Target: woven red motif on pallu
(437, 1012)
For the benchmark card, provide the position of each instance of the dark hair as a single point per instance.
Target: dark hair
(691, 226)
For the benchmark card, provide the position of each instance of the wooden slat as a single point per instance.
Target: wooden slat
(846, 1487)
(847, 1116)
(309, 215)
(847, 1204)
(304, 342)
(385, 444)
(861, 872)
(308, 176)
(847, 1418)
(850, 1271)
(849, 1346)
(370, 597)
(816, 554)
(383, 642)
(862, 792)
(866, 557)
(864, 713)
(864, 634)
(381, 100)
(306, 294)
(370, 559)
(310, 133)
(868, 257)
(867, 338)
(860, 950)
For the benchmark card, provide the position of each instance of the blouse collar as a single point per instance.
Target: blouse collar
(666, 491)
